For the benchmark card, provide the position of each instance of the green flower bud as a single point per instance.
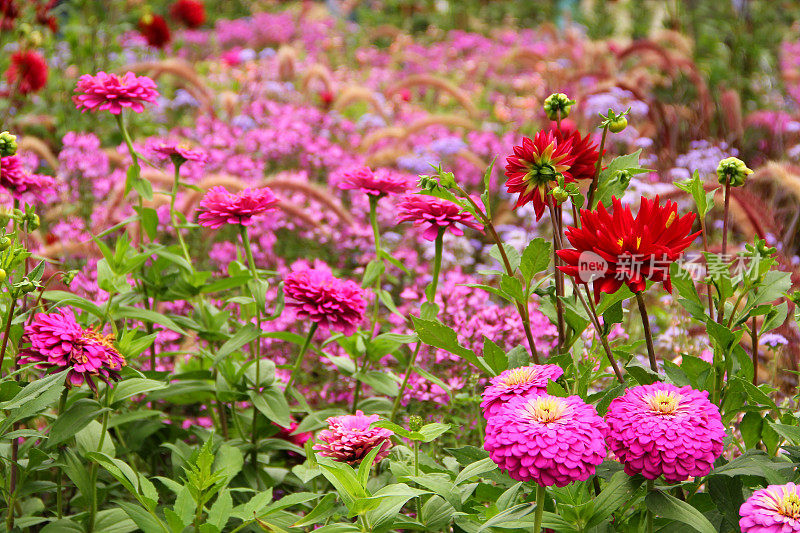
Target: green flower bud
(32, 221)
(560, 194)
(69, 276)
(415, 423)
(795, 297)
(734, 171)
(557, 105)
(8, 144)
(3, 275)
(5, 242)
(618, 124)
(25, 286)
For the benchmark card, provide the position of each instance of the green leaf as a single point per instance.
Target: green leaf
(514, 258)
(383, 382)
(134, 386)
(147, 316)
(512, 287)
(147, 522)
(75, 418)
(672, 508)
(475, 469)
(243, 336)
(436, 334)
(373, 271)
(324, 509)
(494, 356)
(535, 258)
(429, 432)
(149, 218)
(366, 466)
(618, 491)
(272, 403)
(221, 510)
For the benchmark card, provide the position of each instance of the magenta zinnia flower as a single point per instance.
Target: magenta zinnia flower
(378, 183)
(522, 381)
(349, 438)
(16, 180)
(58, 342)
(534, 167)
(775, 509)
(435, 213)
(219, 207)
(660, 429)
(546, 439)
(175, 150)
(113, 93)
(316, 295)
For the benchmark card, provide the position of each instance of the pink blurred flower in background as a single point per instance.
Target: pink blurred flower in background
(219, 207)
(434, 214)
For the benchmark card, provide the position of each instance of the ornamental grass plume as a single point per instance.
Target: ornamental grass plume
(27, 72)
(349, 438)
(627, 250)
(58, 342)
(522, 381)
(377, 183)
(316, 295)
(435, 214)
(219, 207)
(546, 439)
(660, 429)
(775, 509)
(112, 93)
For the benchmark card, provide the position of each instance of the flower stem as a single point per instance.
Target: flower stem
(7, 331)
(62, 403)
(174, 217)
(649, 526)
(524, 312)
(596, 179)
(705, 249)
(437, 264)
(403, 386)
(93, 468)
(648, 335)
(725, 218)
(555, 218)
(300, 357)
(754, 339)
(541, 492)
(592, 310)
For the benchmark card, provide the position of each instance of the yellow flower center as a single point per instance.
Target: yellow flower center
(789, 505)
(546, 409)
(663, 402)
(516, 377)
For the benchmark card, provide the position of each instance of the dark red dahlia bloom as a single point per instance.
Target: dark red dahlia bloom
(535, 166)
(615, 248)
(27, 72)
(8, 14)
(155, 30)
(44, 15)
(583, 150)
(191, 13)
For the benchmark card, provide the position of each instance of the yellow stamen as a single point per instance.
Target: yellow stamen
(663, 402)
(671, 219)
(546, 409)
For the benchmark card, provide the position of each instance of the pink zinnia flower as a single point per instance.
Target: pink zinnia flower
(435, 213)
(546, 439)
(58, 342)
(660, 429)
(175, 150)
(775, 509)
(373, 183)
(219, 207)
(522, 381)
(316, 295)
(113, 93)
(15, 179)
(349, 438)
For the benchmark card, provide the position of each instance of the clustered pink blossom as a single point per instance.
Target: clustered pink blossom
(349, 438)
(58, 342)
(522, 381)
(219, 207)
(378, 183)
(546, 439)
(316, 295)
(112, 93)
(435, 214)
(775, 509)
(662, 429)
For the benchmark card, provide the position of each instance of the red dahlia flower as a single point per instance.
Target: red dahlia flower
(191, 13)
(535, 166)
(27, 72)
(155, 30)
(615, 248)
(584, 150)
(8, 14)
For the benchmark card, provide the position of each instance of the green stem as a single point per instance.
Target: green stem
(437, 265)
(754, 339)
(648, 335)
(725, 218)
(403, 385)
(524, 312)
(60, 475)
(7, 331)
(298, 363)
(541, 492)
(588, 304)
(555, 218)
(93, 468)
(650, 485)
(598, 166)
(174, 217)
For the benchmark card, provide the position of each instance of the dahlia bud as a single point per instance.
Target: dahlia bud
(8, 144)
(69, 276)
(32, 221)
(35, 38)
(2, 275)
(795, 297)
(618, 124)
(759, 247)
(415, 423)
(5, 242)
(560, 194)
(557, 106)
(25, 286)
(624, 176)
(733, 171)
